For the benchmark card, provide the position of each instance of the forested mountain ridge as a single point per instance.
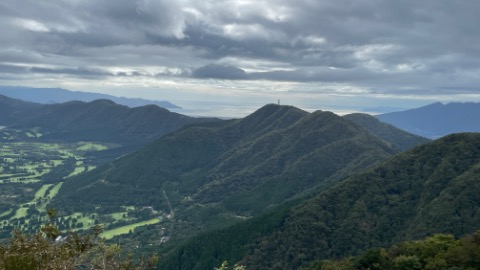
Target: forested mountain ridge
(399, 138)
(221, 172)
(59, 95)
(430, 189)
(437, 119)
(100, 120)
(202, 160)
(13, 109)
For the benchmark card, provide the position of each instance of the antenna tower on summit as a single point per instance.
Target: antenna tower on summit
(278, 102)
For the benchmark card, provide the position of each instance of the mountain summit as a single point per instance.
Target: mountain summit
(99, 120)
(437, 119)
(220, 172)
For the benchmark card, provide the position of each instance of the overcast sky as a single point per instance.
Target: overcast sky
(216, 57)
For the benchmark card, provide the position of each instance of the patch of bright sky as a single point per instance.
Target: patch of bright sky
(239, 98)
(225, 98)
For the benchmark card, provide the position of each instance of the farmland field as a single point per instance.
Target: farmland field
(32, 174)
(109, 234)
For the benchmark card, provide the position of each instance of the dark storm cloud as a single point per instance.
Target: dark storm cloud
(373, 43)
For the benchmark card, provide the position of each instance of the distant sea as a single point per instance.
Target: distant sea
(226, 111)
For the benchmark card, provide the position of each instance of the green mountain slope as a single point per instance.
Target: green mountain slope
(433, 188)
(440, 251)
(100, 120)
(245, 164)
(214, 174)
(13, 109)
(396, 137)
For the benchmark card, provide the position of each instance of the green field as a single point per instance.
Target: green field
(109, 234)
(32, 174)
(118, 215)
(20, 213)
(42, 191)
(54, 190)
(78, 170)
(6, 213)
(89, 146)
(23, 165)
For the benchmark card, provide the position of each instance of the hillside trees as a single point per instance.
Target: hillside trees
(440, 251)
(49, 249)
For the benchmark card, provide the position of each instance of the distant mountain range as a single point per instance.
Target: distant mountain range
(217, 173)
(58, 95)
(437, 119)
(99, 120)
(430, 189)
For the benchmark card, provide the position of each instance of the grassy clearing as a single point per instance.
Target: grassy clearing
(41, 192)
(64, 154)
(24, 181)
(54, 190)
(86, 220)
(78, 170)
(20, 213)
(6, 213)
(92, 147)
(109, 234)
(118, 215)
(51, 193)
(57, 162)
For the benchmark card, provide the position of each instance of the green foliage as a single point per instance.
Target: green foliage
(210, 249)
(49, 250)
(433, 188)
(100, 120)
(224, 266)
(437, 252)
(398, 138)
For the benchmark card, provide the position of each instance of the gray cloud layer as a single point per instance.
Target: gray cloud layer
(420, 46)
